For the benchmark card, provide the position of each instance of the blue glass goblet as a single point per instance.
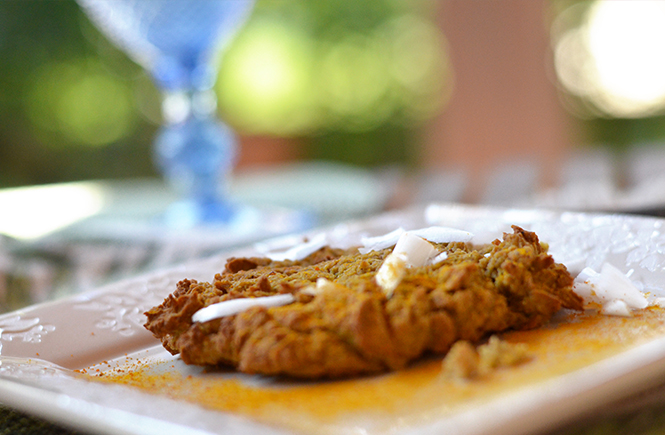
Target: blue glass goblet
(177, 42)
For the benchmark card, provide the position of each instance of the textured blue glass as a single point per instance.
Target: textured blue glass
(176, 40)
(173, 39)
(195, 156)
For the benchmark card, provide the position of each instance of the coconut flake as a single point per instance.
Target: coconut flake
(619, 286)
(391, 272)
(433, 234)
(322, 285)
(235, 306)
(380, 242)
(409, 251)
(585, 285)
(300, 251)
(416, 249)
(438, 259)
(616, 307)
(610, 288)
(443, 234)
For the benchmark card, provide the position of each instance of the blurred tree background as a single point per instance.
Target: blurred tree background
(351, 81)
(67, 112)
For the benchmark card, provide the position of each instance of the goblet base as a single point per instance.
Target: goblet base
(189, 213)
(234, 218)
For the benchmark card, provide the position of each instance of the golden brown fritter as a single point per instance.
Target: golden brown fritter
(352, 328)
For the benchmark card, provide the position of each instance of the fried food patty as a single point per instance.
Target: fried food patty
(352, 327)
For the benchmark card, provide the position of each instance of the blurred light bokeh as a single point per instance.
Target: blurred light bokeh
(78, 100)
(83, 200)
(608, 61)
(291, 73)
(609, 54)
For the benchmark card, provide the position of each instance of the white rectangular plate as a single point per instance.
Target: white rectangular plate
(42, 345)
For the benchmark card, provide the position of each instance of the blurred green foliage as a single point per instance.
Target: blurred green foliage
(353, 80)
(35, 34)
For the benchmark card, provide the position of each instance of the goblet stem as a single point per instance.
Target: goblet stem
(196, 152)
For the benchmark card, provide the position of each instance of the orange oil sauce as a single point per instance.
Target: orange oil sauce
(381, 404)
